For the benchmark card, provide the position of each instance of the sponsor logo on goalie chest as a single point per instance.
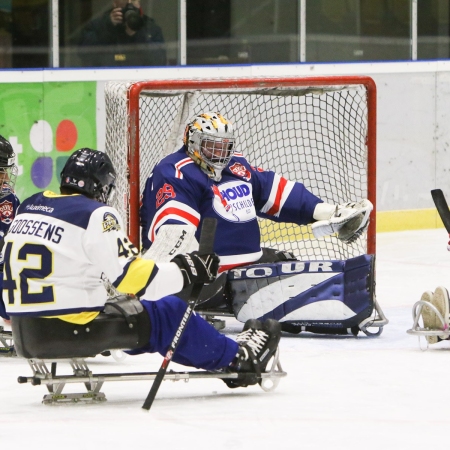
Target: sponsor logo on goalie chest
(233, 201)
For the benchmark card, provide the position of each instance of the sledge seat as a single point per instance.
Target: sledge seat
(124, 324)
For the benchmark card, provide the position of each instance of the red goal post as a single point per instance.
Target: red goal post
(320, 131)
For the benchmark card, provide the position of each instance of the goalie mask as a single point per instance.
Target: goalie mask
(91, 173)
(210, 142)
(8, 168)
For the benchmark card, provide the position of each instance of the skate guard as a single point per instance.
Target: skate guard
(55, 384)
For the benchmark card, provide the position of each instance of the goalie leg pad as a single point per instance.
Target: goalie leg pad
(332, 294)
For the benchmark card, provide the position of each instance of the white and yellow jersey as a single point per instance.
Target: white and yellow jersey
(60, 248)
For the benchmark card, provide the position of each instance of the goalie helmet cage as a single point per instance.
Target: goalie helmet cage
(319, 131)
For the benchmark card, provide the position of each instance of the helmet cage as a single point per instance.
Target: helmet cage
(8, 177)
(210, 142)
(106, 193)
(215, 150)
(8, 168)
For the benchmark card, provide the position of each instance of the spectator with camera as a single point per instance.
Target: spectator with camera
(123, 36)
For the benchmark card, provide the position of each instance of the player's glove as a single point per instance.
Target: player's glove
(197, 268)
(348, 220)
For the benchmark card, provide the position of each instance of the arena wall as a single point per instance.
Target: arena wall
(48, 113)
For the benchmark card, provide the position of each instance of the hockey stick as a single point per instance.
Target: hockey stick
(442, 207)
(205, 246)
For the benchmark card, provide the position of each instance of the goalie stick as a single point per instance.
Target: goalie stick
(205, 246)
(442, 207)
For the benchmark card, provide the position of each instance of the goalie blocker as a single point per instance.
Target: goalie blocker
(330, 297)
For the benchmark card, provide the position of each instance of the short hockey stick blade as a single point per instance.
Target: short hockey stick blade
(442, 207)
(206, 245)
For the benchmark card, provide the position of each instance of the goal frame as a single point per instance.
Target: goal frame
(136, 88)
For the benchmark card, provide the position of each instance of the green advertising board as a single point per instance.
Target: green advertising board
(45, 123)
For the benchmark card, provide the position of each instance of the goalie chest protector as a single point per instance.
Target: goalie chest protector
(305, 295)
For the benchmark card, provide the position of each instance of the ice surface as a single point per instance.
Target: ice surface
(340, 392)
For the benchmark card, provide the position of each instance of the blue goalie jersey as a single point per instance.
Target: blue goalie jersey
(179, 192)
(8, 209)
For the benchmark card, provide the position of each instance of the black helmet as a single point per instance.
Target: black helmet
(8, 168)
(89, 172)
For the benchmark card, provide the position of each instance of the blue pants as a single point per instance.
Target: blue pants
(201, 345)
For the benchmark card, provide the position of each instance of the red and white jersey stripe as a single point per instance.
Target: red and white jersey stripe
(281, 188)
(173, 210)
(231, 261)
(179, 165)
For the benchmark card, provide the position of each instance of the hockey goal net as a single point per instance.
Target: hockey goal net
(320, 131)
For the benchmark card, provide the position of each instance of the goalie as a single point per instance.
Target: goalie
(8, 201)
(208, 177)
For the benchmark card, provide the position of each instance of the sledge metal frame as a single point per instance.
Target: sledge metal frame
(417, 330)
(93, 382)
(6, 343)
(376, 320)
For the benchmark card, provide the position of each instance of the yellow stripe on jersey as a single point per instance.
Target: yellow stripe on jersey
(81, 318)
(51, 194)
(137, 276)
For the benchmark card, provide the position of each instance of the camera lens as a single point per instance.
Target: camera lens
(132, 17)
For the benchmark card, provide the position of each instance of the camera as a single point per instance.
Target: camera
(132, 17)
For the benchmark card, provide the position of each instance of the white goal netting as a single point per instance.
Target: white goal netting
(318, 135)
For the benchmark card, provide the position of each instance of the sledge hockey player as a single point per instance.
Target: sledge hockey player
(439, 299)
(8, 207)
(60, 248)
(207, 177)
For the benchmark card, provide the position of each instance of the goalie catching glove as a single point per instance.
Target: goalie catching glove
(348, 220)
(197, 268)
